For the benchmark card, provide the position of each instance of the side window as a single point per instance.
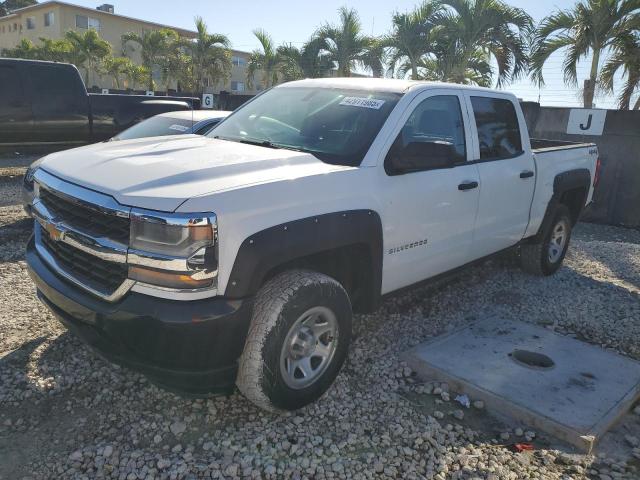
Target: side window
(56, 90)
(436, 121)
(11, 93)
(498, 128)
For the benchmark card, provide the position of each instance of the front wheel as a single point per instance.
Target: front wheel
(297, 342)
(545, 256)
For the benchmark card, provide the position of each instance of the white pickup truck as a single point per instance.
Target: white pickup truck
(238, 258)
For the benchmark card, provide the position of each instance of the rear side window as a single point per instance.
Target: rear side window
(11, 91)
(57, 90)
(498, 128)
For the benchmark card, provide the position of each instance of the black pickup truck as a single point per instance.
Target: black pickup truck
(46, 104)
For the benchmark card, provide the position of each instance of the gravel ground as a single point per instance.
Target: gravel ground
(66, 413)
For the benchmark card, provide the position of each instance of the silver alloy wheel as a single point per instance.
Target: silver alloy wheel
(309, 347)
(558, 240)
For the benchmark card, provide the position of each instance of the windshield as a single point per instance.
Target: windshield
(336, 125)
(156, 127)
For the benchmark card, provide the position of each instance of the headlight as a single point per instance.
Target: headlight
(178, 236)
(176, 251)
(28, 176)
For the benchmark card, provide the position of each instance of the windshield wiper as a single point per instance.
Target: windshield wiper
(259, 143)
(266, 143)
(249, 141)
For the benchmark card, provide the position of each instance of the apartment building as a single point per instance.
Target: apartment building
(51, 19)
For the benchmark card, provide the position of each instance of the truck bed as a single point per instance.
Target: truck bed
(552, 158)
(540, 145)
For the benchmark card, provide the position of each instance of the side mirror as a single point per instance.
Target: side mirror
(417, 156)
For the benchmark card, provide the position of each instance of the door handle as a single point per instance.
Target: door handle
(468, 186)
(526, 174)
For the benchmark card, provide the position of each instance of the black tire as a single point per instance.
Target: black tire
(279, 305)
(535, 257)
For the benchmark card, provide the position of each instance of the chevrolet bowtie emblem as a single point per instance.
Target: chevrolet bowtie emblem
(54, 232)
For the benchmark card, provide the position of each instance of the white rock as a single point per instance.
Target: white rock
(178, 428)
(76, 456)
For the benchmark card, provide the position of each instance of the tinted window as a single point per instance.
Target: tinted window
(436, 119)
(204, 129)
(156, 127)
(56, 89)
(11, 91)
(498, 128)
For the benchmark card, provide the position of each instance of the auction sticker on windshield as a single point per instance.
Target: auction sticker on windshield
(179, 128)
(362, 102)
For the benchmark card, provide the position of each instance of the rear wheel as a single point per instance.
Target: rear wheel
(545, 256)
(297, 342)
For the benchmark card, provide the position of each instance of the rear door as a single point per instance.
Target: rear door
(16, 121)
(59, 103)
(428, 215)
(507, 171)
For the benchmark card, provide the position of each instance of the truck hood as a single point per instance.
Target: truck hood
(160, 173)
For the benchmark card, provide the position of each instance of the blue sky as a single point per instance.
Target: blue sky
(294, 21)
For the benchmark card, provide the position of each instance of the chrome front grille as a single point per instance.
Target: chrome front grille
(80, 215)
(82, 235)
(99, 274)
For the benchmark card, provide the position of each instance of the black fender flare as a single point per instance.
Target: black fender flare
(264, 251)
(562, 183)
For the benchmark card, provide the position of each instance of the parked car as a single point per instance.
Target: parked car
(183, 122)
(46, 104)
(240, 257)
(198, 122)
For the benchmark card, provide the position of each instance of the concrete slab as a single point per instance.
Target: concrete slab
(576, 400)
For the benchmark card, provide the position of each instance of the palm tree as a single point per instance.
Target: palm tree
(446, 65)
(306, 62)
(178, 65)
(291, 65)
(625, 57)
(374, 57)
(411, 35)
(266, 59)
(135, 75)
(54, 50)
(497, 29)
(116, 67)
(591, 27)
(90, 47)
(154, 46)
(345, 42)
(210, 56)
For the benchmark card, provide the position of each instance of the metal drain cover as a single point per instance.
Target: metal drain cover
(548, 381)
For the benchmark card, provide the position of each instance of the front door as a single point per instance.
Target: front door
(507, 173)
(429, 215)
